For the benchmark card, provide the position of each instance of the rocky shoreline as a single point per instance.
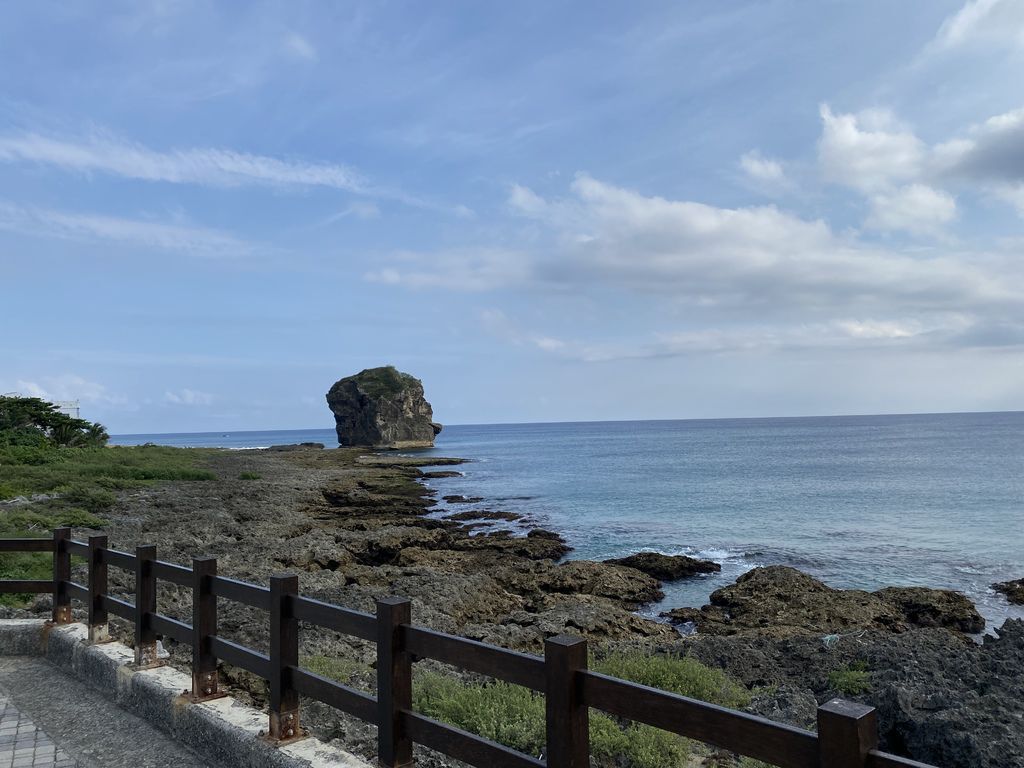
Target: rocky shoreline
(358, 527)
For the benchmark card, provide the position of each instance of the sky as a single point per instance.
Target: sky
(547, 211)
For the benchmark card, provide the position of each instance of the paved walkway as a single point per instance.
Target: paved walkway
(22, 744)
(52, 720)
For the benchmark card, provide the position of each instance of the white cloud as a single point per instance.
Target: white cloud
(203, 166)
(915, 208)
(548, 343)
(982, 21)
(1014, 195)
(869, 150)
(734, 259)
(41, 222)
(763, 170)
(992, 151)
(298, 46)
(525, 201)
(751, 256)
(461, 270)
(66, 386)
(188, 397)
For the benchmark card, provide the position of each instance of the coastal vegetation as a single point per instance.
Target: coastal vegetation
(56, 470)
(851, 680)
(514, 716)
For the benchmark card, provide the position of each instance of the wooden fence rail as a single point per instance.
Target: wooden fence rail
(847, 734)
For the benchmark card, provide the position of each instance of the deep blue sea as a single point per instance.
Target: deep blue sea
(858, 501)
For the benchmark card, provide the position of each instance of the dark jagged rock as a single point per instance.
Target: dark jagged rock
(1014, 590)
(440, 474)
(382, 408)
(926, 607)
(780, 601)
(297, 447)
(940, 700)
(666, 567)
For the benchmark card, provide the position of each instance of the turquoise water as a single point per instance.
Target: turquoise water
(866, 501)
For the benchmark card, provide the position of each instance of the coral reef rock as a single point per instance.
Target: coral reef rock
(382, 408)
(779, 601)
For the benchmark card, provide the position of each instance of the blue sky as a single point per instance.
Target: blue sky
(548, 211)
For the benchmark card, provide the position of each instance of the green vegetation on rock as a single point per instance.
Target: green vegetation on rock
(249, 476)
(852, 680)
(386, 381)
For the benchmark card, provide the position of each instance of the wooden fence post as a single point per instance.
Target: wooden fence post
(568, 721)
(145, 607)
(394, 683)
(846, 732)
(205, 683)
(61, 576)
(99, 628)
(284, 654)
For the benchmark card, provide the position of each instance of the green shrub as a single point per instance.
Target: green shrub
(852, 680)
(90, 497)
(24, 565)
(249, 476)
(333, 667)
(514, 716)
(683, 675)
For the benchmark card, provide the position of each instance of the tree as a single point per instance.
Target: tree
(33, 421)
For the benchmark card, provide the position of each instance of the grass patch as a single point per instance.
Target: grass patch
(514, 716)
(333, 667)
(682, 675)
(81, 483)
(249, 476)
(851, 680)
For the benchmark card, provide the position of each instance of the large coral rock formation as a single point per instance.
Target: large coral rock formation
(382, 408)
(779, 601)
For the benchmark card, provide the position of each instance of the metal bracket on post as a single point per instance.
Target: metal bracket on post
(99, 627)
(284, 656)
(145, 607)
(205, 681)
(61, 576)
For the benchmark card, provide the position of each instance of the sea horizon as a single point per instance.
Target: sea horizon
(597, 421)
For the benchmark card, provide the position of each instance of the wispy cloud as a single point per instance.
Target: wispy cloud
(42, 222)
(202, 166)
(298, 46)
(982, 21)
(763, 171)
(65, 386)
(188, 397)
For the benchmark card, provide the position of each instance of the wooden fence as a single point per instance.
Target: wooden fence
(847, 734)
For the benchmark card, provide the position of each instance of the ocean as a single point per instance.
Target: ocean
(858, 501)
